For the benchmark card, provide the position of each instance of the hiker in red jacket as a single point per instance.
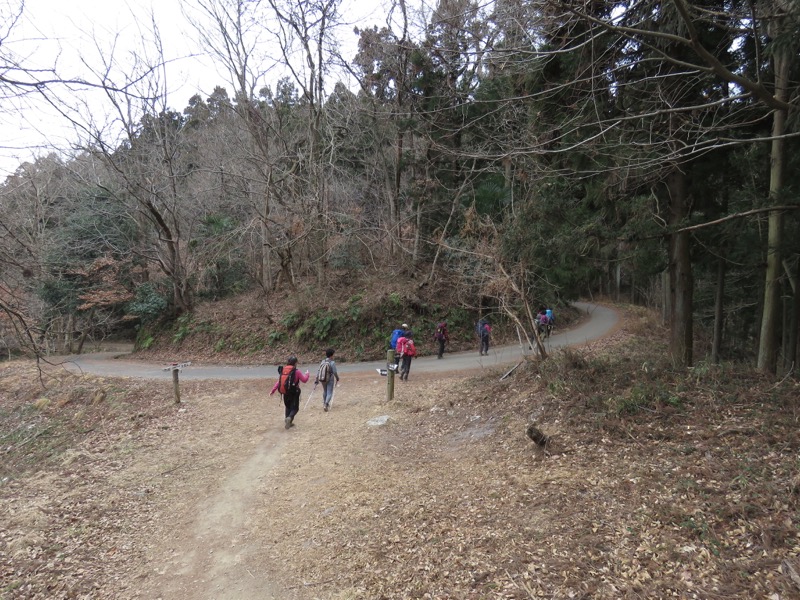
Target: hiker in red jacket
(406, 350)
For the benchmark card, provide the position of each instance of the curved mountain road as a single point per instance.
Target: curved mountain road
(602, 321)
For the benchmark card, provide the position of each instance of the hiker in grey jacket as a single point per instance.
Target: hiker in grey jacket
(328, 376)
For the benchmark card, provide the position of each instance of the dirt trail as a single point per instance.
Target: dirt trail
(212, 558)
(241, 483)
(216, 537)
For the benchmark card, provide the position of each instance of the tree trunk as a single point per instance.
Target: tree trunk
(394, 198)
(680, 272)
(417, 233)
(266, 249)
(719, 312)
(791, 354)
(68, 329)
(769, 339)
(85, 332)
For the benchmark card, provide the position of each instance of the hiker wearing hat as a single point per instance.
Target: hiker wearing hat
(406, 351)
(393, 341)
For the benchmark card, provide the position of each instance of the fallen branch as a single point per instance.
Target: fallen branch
(510, 371)
(790, 570)
(172, 470)
(34, 436)
(310, 584)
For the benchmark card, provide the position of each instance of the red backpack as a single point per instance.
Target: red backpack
(288, 379)
(410, 350)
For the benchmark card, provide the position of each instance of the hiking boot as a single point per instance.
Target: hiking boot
(287, 422)
(325, 407)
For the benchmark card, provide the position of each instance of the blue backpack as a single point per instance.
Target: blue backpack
(395, 334)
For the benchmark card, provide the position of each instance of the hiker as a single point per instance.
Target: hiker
(441, 337)
(545, 321)
(328, 376)
(406, 350)
(396, 334)
(288, 385)
(484, 331)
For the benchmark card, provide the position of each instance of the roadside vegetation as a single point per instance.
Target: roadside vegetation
(356, 318)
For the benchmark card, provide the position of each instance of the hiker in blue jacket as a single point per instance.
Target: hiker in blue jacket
(396, 334)
(484, 332)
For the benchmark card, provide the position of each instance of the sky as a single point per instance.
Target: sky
(69, 33)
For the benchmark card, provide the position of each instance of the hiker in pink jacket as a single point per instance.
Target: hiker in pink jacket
(288, 385)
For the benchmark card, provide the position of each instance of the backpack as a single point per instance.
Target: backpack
(410, 349)
(288, 380)
(395, 334)
(440, 332)
(479, 326)
(324, 371)
(544, 319)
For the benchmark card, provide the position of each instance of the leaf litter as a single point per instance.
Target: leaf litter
(655, 483)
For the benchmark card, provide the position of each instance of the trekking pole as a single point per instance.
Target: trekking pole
(309, 396)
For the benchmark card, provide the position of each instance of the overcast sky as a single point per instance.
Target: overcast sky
(68, 33)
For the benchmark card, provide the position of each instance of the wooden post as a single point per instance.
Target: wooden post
(175, 368)
(389, 375)
(175, 385)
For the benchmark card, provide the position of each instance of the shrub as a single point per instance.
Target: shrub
(148, 304)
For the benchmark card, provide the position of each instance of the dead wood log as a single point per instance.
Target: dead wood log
(539, 438)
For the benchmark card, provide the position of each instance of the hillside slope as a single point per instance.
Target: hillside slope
(354, 317)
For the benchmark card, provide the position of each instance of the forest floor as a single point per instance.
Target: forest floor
(655, 483)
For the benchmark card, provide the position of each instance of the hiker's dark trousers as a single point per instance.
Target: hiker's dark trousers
(292, 403)
(405, 367)
(441, 348)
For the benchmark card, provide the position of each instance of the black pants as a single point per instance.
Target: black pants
(292, 403)
(405, 367)
(484, 344)
(441, 347)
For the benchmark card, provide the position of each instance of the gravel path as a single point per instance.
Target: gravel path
(602, 321)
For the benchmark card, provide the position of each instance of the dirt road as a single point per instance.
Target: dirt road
(602, 320)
